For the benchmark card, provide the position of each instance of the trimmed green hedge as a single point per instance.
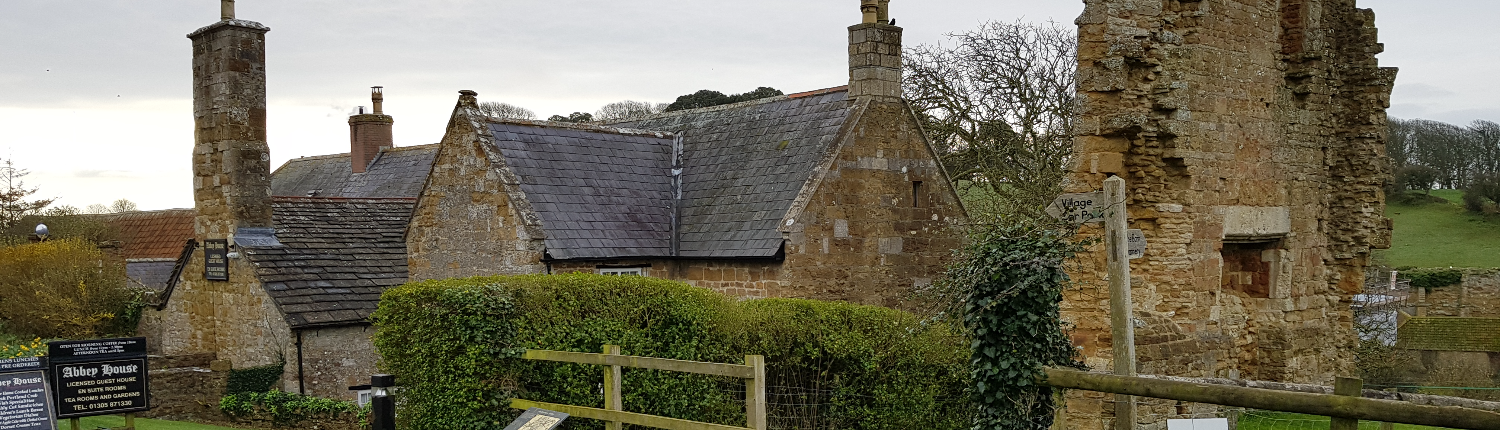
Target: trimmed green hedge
(829, 365)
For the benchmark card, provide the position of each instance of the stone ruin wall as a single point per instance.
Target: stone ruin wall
(1260, 121)
(1477, 296)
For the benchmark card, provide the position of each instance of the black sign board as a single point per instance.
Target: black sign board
(216, 260)
(23, 395)
(537, 419)
(99, 377)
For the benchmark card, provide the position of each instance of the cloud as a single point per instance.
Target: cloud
(1420, 91)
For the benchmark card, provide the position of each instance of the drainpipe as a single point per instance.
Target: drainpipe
(301, 383)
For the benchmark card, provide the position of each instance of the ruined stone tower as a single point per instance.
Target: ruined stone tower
(232, 193)
(1250, 134)
(369, 133)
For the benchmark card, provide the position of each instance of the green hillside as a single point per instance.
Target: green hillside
(1440, 233)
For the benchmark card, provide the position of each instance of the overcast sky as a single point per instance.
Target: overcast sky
(95, 95)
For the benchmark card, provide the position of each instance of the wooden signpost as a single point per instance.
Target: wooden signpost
(1122, 245)
(23, 395)
(99, 377)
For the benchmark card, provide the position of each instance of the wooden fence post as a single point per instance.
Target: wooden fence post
(1347, 387)
(612, 395)
(1121, 311)
(755, 393)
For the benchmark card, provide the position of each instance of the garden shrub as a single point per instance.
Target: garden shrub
(254, 379)
(286, 409)
(451, 344)
(65, 288)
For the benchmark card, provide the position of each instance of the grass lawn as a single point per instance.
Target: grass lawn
(1442, 234)
(112, 421)
(1262, 420)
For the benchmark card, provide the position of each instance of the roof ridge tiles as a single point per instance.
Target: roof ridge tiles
(290, 199)
(737, 105)
(583, 127)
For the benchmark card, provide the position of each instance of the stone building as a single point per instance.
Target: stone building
(1450, 351)
(832, 194)
(1250, 134)
(303, 272)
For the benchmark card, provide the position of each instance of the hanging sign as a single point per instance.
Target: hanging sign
(99, 377)
(216, 259)
(24, 394)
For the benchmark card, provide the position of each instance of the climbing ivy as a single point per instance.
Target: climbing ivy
(254, 379)
(1009, 280)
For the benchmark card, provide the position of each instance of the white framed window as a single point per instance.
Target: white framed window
(363, 397)
(621, 271)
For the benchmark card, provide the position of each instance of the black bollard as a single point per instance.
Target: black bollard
(382, 405)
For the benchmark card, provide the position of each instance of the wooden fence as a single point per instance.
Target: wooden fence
(1346, 405)
(614, 415)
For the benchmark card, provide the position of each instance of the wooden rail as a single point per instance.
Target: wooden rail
(614, 415)
(1336, 406)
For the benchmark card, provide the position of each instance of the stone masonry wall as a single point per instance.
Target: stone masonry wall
(233, 319)
(466, 223)
(881, 220)
(333, 359)
(1477, 296)
(1250, 134)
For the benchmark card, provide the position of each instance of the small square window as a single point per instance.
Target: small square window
(1249, 268)
(622, 271)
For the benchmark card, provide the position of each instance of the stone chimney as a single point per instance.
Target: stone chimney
(369, 133)
(231, 163)
(875, 54)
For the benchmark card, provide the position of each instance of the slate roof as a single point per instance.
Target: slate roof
(151, 274)
(1450, 334)
(338, 255)
(396, 172)
(152, 234)
(744, 164)
(599, 192)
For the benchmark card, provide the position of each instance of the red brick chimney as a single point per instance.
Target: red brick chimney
(369, 133)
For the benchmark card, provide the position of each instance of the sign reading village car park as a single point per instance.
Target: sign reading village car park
(99, 377)
(23, 395)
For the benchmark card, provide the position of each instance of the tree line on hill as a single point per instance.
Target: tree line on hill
(1428, 154)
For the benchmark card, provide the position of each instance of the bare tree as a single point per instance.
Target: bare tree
(505, 110)
(96, 209)
(14, 195)
(626, 110)
(123, 205)
(999, 103)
